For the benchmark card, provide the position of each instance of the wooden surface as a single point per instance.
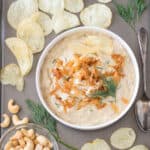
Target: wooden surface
(72, 136)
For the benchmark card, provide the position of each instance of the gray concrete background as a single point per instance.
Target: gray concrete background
(72, 136)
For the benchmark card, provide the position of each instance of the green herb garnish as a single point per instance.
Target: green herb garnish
(140, 6)
(110, 89)
(132, 11)
(41, 117)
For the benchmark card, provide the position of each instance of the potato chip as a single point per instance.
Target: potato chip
(139, 147)
(63, 21)
(96, 15)
(74, 6)
(123, 138)
(11, 74)
(87, 146)
(20, 84)
(44, 21)
(19, 10)
(104, 44)
(98, 144)
(23, 55)
(32, 33)
(104, 1)
(51, 6)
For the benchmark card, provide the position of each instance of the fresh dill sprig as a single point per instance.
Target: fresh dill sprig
(111, 88)
(140, 6)
(41, 117)
(132, 11)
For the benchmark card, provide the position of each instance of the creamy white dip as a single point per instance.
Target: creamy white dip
(85, 43)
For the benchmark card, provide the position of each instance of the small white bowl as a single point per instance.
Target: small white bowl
(68, 33)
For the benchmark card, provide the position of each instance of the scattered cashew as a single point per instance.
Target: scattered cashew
(29, 144)
(13, 108)
(6, 121)
(42, 140)
(17, 121)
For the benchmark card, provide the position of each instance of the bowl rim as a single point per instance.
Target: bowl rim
(30, 125)
(68, 33)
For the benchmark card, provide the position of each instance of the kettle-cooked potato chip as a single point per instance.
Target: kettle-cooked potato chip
(104, 1)
(11, 74)
(44, 21)
(74, 6)
(64, 20)
(98, 144)
(19, 10)
(96, 15)
(22, 53)
(139, 147)
(51, 6)
(123, 138)
(31, 32)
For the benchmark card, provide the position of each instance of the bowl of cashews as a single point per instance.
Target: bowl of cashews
(28, 137)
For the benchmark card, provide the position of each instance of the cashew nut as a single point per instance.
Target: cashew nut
(42, 140)
(6, 121)
(29, 144)
(17, 121)
(18, 148)
(21, 142)
(18, 135)
(28, 133)
(14, 142)
(13, 108)
(50, 144)
(8, 145)
(39, 147)
(46, 148)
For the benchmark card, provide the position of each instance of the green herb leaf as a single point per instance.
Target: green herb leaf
(126, 12)
(132, 11)
(140, 6)
(111, 88)
(42, 117)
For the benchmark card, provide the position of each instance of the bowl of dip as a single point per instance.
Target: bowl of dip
(87, 78)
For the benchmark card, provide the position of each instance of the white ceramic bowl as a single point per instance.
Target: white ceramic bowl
(59, 38)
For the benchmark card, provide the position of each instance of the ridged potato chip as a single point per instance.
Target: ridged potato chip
(64, 20)
(11, 74)
(104, 1)
(44, 21)
(32, 33)
(51, 6)
(123, 138)
(22, 53)
(19, 10)
(98, 144)
(139, 147)
(74, 6)
(96, 15)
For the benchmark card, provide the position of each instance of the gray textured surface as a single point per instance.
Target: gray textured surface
(75, 137)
